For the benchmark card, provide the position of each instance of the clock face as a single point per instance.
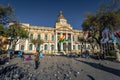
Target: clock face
(62, 22)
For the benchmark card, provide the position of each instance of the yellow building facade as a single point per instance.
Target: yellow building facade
(51, 36)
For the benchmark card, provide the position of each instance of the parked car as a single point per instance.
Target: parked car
(60, 54)
(11, 53)
(16, 52)
(74, 55)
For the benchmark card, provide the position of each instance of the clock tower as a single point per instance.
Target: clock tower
(61, 21)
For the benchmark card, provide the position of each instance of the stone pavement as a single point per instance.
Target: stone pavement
(63, 68)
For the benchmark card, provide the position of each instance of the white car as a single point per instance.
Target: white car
(60, 53)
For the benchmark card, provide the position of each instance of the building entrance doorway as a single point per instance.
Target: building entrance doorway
(67, 47)
(59, 46)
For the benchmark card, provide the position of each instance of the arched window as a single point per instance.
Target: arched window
(38, 47)
(58, 37)
(31, 36)
(46, 38)
(45, 48)
(52, 37)
(88, 47)
(38, 37)
(84, 46)
(78, 47)
(69, 36)
(73, 47)
(52, 47)
(22, 47)
(30, 47)
(73, 38)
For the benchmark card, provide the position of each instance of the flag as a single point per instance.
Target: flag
(118, 34)
(61, 39)
(110, 37)
(105, 35)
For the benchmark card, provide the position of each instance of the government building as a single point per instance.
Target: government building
(51, 35)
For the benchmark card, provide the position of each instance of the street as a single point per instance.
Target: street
(64, 68)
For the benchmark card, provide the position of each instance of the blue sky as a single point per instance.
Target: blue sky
(45, 12)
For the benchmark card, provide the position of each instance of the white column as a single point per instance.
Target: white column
(71, 41)
(17, 46)
(56, 49)
(49, 48)
(42, 47)
(117, 52)
(26, 44)
(76, 46)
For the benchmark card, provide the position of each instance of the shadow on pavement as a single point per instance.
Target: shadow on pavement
(91, 77)
(102, 67)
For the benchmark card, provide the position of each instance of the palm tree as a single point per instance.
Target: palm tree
(37, 42)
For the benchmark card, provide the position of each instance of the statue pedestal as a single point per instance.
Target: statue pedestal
(118, 55)
(117, 52)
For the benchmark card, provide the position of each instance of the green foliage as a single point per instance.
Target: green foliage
(91, 40)
(81, 39)
(1, 29)
(17, 31)
(112, 53)
(105, 18)
(37, 41)
(6, 14)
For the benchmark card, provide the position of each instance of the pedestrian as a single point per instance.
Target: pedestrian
(20, 54)
(41, 54)
(36, 59)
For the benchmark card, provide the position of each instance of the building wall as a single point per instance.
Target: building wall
(61, 28)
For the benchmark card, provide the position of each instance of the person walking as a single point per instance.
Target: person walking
(41, 54)
(36, 59)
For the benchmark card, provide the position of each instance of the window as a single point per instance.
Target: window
(78, 47)
(52, 47)
(22, 47)
(52, 37)
(73, 47)
(88, 47)
(73, 38)
(31, 36)
(69, 36)
(58, 37)
(38, 37)
(30, 47)
(78, 38)
(38, 47)
(45, 37)
(84, 46)
(45, 48)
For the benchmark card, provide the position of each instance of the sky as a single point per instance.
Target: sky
(45, 12)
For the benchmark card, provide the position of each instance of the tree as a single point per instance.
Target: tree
(1, 30)
(5, 17)
(105, 18)
(16, 33)
(82, 40)
(37, 42)
(92, 42)
(6, 14)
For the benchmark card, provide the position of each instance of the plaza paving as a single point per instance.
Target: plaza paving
(63, 68)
